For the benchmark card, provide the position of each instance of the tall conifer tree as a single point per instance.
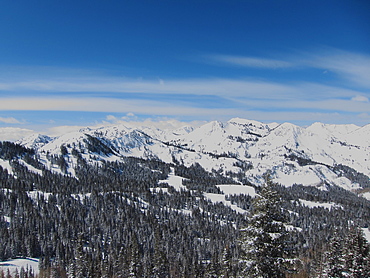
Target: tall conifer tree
(265, 241)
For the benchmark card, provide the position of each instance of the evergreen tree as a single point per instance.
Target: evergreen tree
(16, 274)
(119, 266)
(134, 262)
(356, 254)
(160, 262)
(71, 270)
(213, 268)
(265, 240)
(105, 267)
(81, 269)
(22, 273)
(226, 263)
(333, 264)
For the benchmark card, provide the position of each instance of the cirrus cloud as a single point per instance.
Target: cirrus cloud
(9, 120)
(252, 62)
(345, 92)
(360, 99)
(14, 133)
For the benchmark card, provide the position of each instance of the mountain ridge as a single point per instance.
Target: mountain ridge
(222, 146)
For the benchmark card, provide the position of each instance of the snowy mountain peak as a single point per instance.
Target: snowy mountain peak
(335, 130)
(183, 130)
(246, 122)
(251, 127)
(34, 141)
(291, 153)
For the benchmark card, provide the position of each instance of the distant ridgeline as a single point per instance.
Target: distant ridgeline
(93, 207)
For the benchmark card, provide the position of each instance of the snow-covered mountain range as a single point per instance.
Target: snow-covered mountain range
(197, 185)
(317, 155)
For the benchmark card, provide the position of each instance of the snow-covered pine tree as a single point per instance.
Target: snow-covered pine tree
(160, 261)
(119, 264)
(16, 274)
(213, 269)
(356, 254)
(226, 263)
(265, 240)
(333, 262)
(134, 263)
(104, 267)
(71, 270)
(80, 259)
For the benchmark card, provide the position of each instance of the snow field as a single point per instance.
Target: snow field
(173, 180)
(230, 189)
(312, 204)
(6, 166)
(16, 265)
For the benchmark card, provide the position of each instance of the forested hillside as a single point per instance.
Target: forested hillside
(124, 218)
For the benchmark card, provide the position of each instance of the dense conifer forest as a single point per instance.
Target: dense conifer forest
(116, 219)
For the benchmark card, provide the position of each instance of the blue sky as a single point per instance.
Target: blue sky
(77, 63)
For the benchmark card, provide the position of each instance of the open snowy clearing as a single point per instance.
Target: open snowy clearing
(31, 168)
(6, 166)
(173, 180)
(220, 198)
(17, 264)
(312, 204)
(231, 189)
(366, 195)
(366, 234)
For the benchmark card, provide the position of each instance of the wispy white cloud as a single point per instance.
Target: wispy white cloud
(111, 118)
(219, 87)
(349, 66)
(251, 62)
(212, 86)
(360, 98)
(109, 105)
(348, 94)
(168, 109)
(306, 117)
(158, 122)
(128, 117)
(63, 129)
(365, 116)
(9, 120)
(339, 105)
(14, 133)
(34, 72)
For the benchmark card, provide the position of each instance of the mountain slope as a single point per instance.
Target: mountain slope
(90, 203)
(239, 147)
